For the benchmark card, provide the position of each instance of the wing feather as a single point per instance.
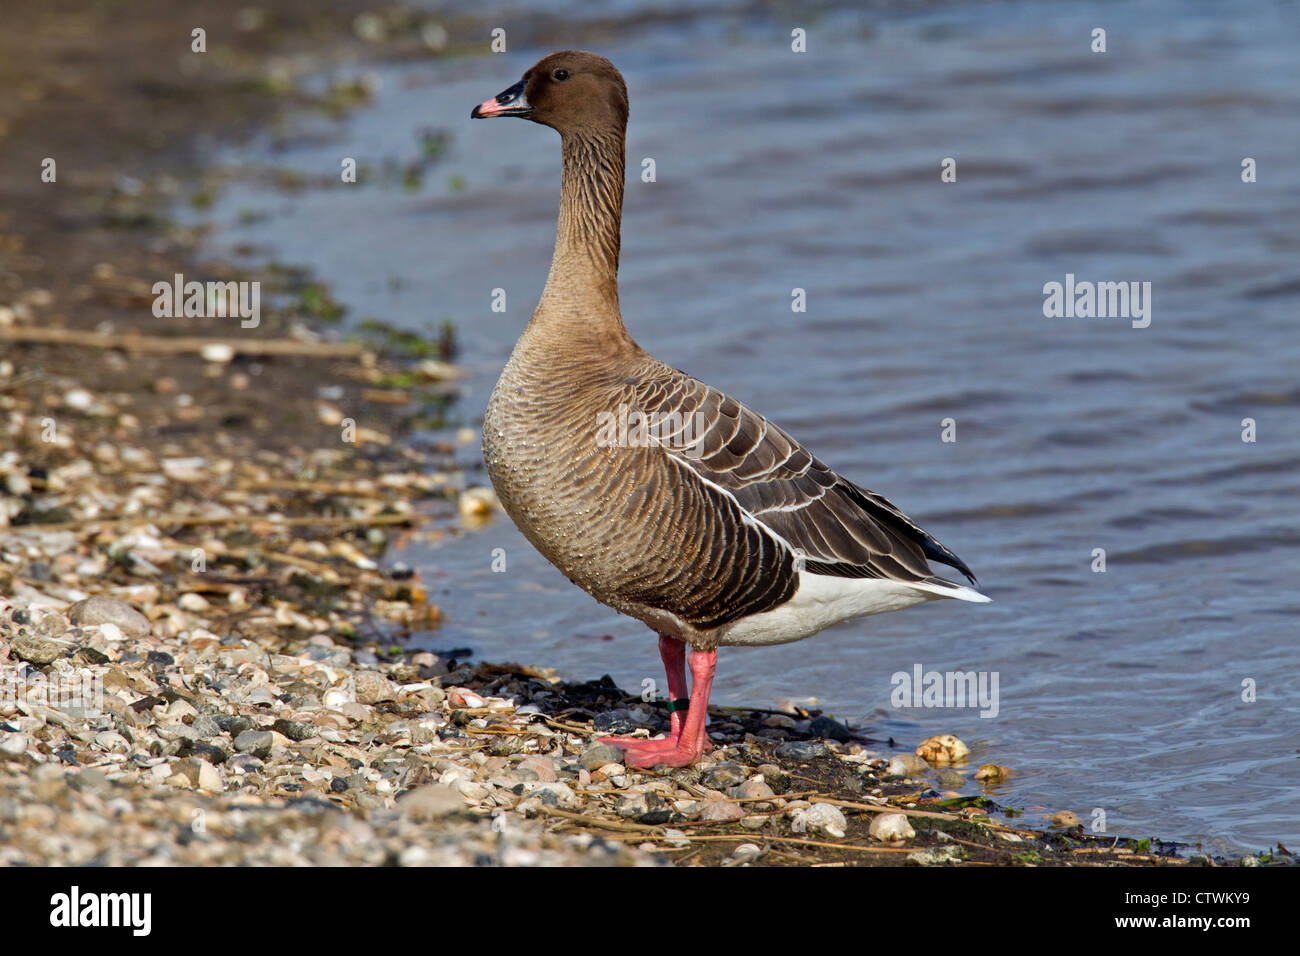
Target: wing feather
(838, 527)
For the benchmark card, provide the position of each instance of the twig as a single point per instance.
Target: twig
(328, 521)
(171, 345)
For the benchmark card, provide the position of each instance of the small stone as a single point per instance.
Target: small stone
(18, 484)
(632, 806)
(950, 779)
(414, 855)
(255, 742)
(205, 726)
(218, 352)
(244, 763)
(14, 745)
(803, 750)
(830, 728)
(78, 399)
(234, 724)
(906, 765)
(675, 838)
(992, 771)
(542, 767)
(721, 811)
(555, 795)
(212, 754)
(936, 856)
(294, 729)
(821, 817)
(189, 601)
(1065, 819)
(102, 610)
(373, 687)
(723, 775)
(780, 721)
(200, 774)
(942, 750)
(36, 649)
(597, 755)
(477, 504)
(613, 722)
(888, 827)
(753, 789)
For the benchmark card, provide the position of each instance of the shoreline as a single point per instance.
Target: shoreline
(249, 665)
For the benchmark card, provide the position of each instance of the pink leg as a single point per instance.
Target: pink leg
(673, 653)
(692, 741)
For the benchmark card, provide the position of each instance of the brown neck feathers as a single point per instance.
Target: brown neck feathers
(583, 283)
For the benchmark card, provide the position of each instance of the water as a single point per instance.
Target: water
(1119, 690)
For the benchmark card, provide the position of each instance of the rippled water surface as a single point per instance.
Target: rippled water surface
(1119, 690)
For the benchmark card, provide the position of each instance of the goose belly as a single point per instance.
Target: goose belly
(820, 601)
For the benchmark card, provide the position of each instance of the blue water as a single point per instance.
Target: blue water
(1120, 690)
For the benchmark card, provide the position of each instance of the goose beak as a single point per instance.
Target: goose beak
(509, 102)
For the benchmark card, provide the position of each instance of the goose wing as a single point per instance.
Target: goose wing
(832, 526)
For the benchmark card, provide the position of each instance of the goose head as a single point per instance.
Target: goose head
(569, 91)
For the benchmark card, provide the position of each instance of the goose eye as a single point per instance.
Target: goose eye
(560, 75)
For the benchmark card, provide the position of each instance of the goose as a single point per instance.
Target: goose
(658, 495)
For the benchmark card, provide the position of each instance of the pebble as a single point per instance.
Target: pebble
(907, 765)
(555, 795)
(294, 729)
(803, 750)
(755, 789)
(723, 775)
(598, 755)
(189, 601)
(821, 818)
(1065, 818)
(942, 750)
(200, 774)
(255, 742)
(937, 856)
(637, 804)
(993, 771)
(613, 722)
(950, 778)
(830, 728)
(888, 827)
(37, 649)
(477, 504)
(721, 811)
(103, 610)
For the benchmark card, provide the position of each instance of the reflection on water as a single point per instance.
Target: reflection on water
(1120, 690)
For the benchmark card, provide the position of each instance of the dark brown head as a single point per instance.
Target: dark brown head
(569, 91)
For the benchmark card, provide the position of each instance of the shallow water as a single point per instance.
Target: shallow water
(1118, 690)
